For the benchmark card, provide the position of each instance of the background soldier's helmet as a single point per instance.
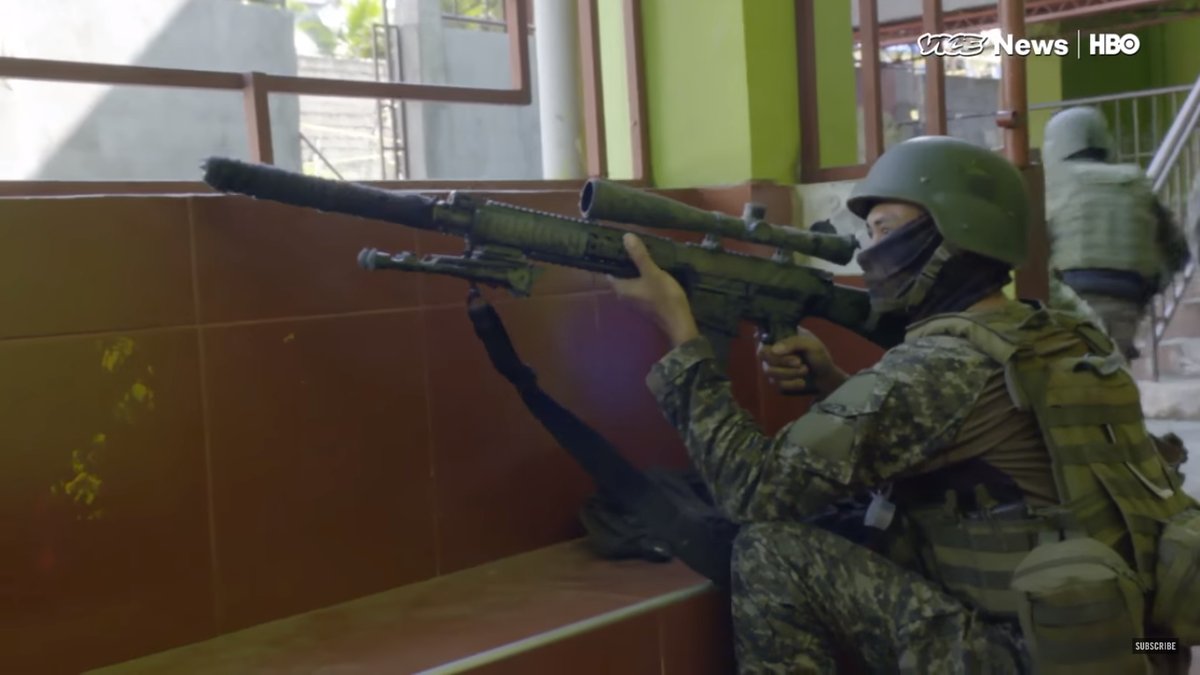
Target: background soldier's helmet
(976, 197)
(1075, 129)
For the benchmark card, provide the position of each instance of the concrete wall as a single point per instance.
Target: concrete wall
(457, 140)
(445, 141)
(55, 131)
(471, 141)
(344, 130)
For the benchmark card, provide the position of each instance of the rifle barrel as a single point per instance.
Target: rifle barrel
(274, 184)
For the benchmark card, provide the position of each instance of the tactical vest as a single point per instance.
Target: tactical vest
(1101, 216)
(1102, 549)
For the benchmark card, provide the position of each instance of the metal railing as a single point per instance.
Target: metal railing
(1157, 129)
(1140, 120)
(1148, 110)
(1172, 172)
(390, 115)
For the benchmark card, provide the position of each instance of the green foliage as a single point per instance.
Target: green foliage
(492, 10)
(475, 9)
(352, 38)
(359, 31)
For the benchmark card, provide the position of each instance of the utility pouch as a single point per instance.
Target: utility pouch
(1177, 573)
(973, 558)
(1081, 606)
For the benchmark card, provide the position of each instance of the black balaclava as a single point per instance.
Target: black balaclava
(914, 273)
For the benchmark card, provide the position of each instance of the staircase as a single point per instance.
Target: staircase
(1170, 335)
(1158, 129)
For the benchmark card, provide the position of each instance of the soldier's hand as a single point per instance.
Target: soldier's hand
(656, 293)
(800, 364)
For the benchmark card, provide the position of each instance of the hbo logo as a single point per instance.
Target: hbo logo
(1111, 44)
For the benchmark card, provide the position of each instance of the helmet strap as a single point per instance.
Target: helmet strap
(909, 301)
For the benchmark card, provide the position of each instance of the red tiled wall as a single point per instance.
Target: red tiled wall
(266, 428)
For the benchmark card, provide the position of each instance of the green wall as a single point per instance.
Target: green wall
(614, 85)
(1176, 49)
(721, 89)
(770, 67)
(837, 101)
(1169, 56)
(1043, 84)
(721, 92)
(696, 91)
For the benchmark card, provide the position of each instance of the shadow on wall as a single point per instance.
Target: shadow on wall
(827, 201)
(66, 131)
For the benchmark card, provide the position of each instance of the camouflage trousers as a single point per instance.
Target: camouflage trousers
(1121, 319)
(801, 593)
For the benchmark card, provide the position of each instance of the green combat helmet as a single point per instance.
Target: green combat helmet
(1075, 129)
(976, 198)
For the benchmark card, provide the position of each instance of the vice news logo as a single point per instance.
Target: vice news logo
(975, 44)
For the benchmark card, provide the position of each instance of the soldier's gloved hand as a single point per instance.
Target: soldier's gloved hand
(800, 364)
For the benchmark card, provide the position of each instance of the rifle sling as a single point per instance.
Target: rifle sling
(690, 539)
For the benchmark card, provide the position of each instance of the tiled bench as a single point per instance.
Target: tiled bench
(556, 610)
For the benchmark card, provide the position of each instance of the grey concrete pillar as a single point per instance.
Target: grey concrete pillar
(560, 105)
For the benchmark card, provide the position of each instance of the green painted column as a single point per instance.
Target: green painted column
(696, 91)
(772, 89)
(721, 89)
(1043, 84)
(615, 85)
(837, 92)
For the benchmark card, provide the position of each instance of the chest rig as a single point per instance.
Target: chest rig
(1112, 484)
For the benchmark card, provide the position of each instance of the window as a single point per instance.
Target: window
(333, 87)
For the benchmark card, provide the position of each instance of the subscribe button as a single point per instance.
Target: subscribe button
(1155, 646)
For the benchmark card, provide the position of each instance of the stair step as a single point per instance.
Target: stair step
(1184, 341)
(1174, 398)
(1186, 319)
(550, 611)
(1179, 356)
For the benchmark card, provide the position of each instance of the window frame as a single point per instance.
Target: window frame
(256, 87)
(869, 34)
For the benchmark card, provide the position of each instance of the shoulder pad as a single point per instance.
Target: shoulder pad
(861, 394)
(984, 338)
(827, 432)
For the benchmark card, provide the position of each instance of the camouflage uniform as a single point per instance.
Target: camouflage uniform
(809, 589)
(1029, 491)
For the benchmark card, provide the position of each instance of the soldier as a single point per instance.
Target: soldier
(1112, 241)
(995, 438)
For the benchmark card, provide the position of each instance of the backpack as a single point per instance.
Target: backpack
(617, 532)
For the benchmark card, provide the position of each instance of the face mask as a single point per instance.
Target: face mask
(892, 266)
